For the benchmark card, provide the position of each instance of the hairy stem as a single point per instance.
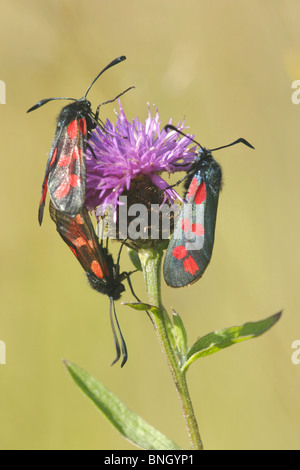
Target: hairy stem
(151, 263)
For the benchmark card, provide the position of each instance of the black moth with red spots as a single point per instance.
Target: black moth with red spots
(190, 248)
(102, 273)
(65, 171)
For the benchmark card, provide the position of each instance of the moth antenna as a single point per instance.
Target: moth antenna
(111, 101)
(46, 100)
(123, 344)
(111, 64)
(173, 128)
(112, 316)
(240, 140)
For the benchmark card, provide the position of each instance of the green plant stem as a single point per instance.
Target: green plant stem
(151, 263)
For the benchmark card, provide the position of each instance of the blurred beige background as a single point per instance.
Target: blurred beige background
(227, 68)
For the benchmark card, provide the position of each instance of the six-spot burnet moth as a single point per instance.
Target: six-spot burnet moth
(65, 170)
(103, 274)
(190, 248)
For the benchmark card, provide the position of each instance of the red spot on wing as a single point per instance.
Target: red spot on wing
(79, 242)
(75, 180)
(62, 190)
(185, 225)
(198, 229)
(96, 268)
(79, 220)
(76, 153)
(53, 157)
(192, 188)
(73, 250)
(200, 195)
(190, 265)
(73, 129)
(43, 198)
(82, 126)
(64, 160)
(179, 252)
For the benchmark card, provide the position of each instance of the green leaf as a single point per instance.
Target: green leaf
(220, 339)
(135, 259)
(128, 423)
(156, 311)
(171, 332)
(180, 336)
(139, 306)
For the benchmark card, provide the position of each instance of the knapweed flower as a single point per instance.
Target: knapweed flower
(128, 158)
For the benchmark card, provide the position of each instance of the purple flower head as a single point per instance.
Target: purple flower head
(126, 151)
